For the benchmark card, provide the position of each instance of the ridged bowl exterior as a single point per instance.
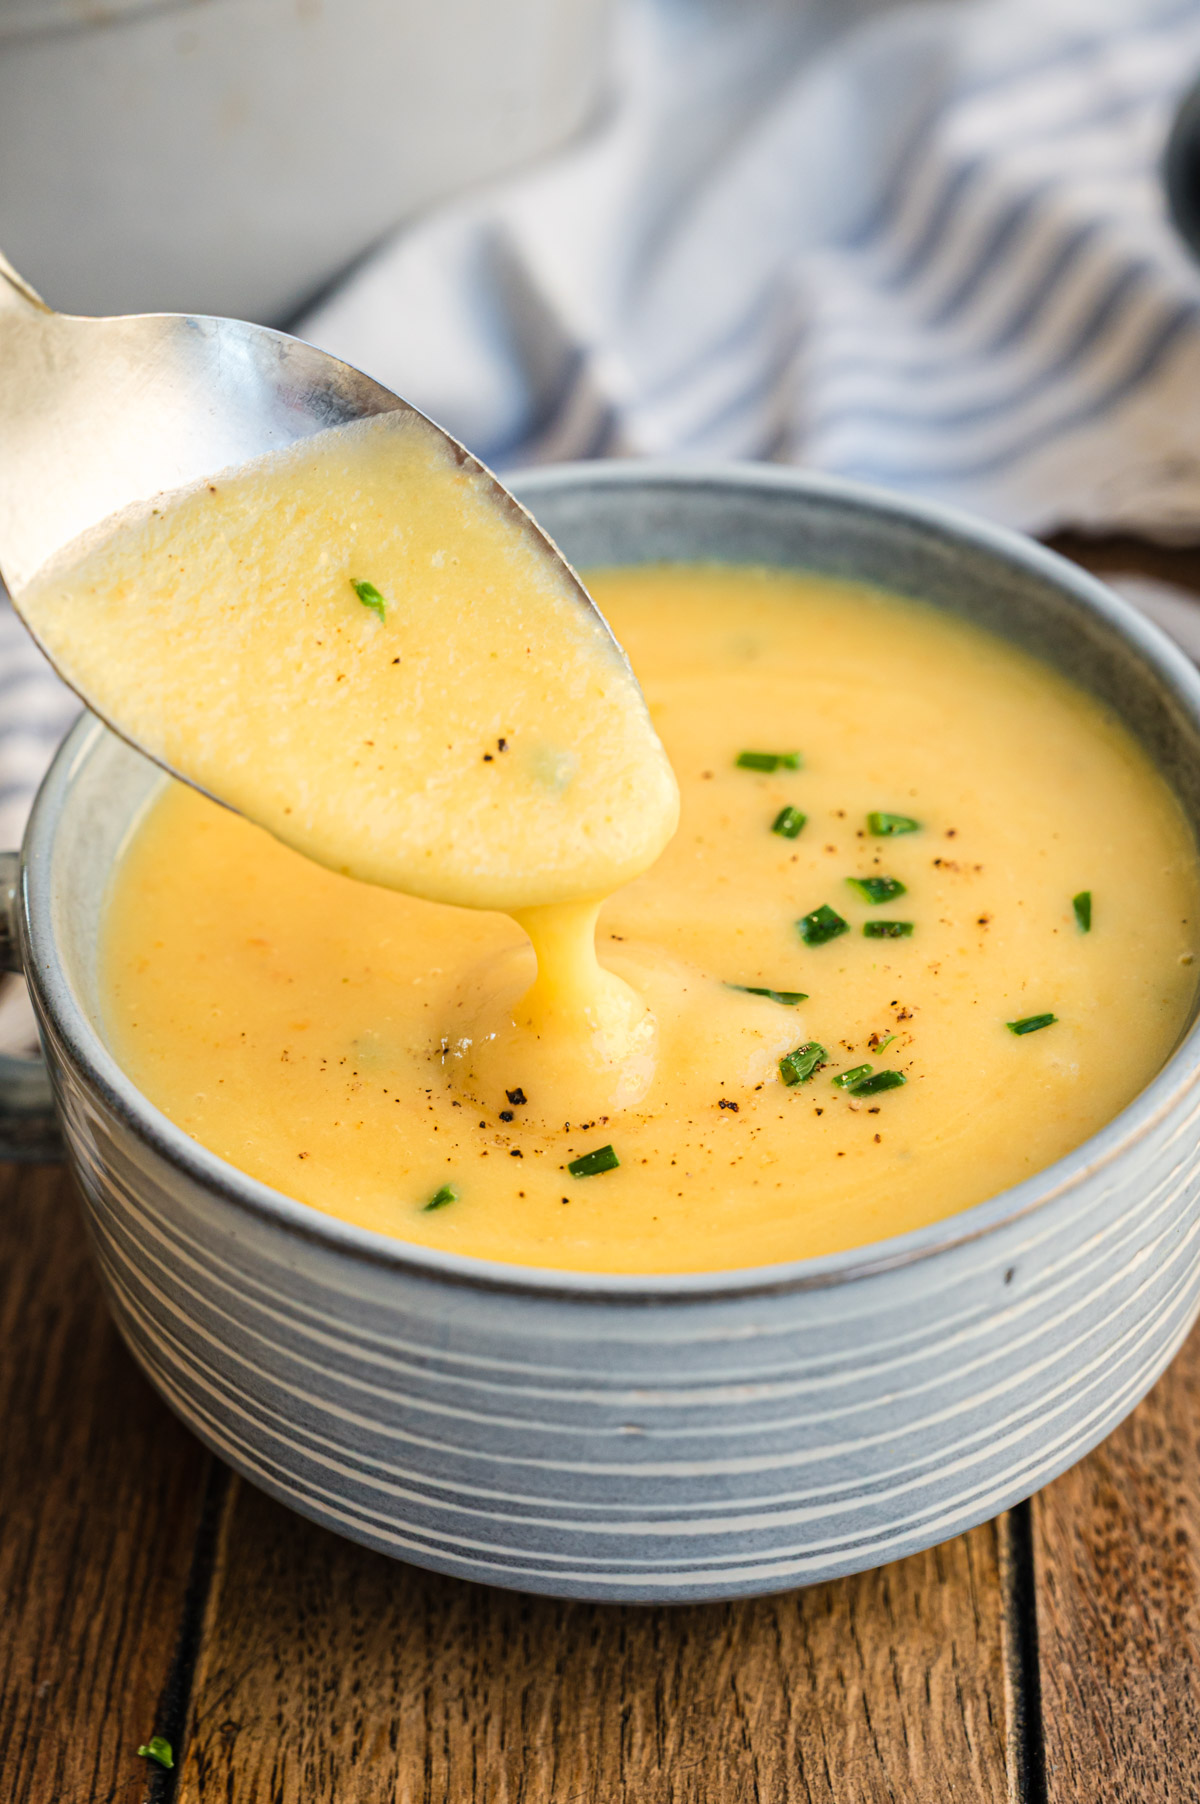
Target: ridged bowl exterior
(648, 1439)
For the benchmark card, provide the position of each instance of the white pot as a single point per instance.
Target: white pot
(231, 156)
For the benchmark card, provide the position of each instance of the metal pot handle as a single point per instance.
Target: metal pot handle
(28, 1124)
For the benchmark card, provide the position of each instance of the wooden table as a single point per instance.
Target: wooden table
(1050, 1657)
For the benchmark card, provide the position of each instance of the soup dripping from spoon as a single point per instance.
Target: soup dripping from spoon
(295, 592)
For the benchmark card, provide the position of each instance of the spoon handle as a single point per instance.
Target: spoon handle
(15, 290)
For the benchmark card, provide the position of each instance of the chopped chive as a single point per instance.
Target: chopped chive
(158, 1748)
(1082, 904)
(820, 925)
(878, 889)
(788, 822)
(879, 1080)
(592, 1164)
(887, 930)
(845, 1080)
(447, 1194)
(883, 826)
(768, 761)
(789, 998)
(1029, 1024)
(798, 1066)
(370, 597)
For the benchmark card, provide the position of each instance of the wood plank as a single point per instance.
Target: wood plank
(100, 1492)
(1108, 554)
(1117, 1563)
(327, 1672)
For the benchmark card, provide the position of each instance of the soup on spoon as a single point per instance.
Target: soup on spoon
(357, 645)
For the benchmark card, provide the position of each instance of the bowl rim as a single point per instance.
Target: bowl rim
(56, 1002)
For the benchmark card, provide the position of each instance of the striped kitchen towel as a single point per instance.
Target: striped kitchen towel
(933, 255)
(35, 711)
(923, 247)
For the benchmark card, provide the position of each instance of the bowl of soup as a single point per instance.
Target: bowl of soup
(900, 1223)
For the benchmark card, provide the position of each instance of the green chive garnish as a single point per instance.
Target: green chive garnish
(1029, 1024)
(158, 1748)
(886, 1041)
(845, 1080)
(887, 930)
(592, 1164)
(883, 826)
(879, 1080)
(447, 1194)
(768, 761)
(822, 924)
(788, 822)
(370, 597)
(1082, 904)
(789, 998)
(798, 1066)
(878, 889)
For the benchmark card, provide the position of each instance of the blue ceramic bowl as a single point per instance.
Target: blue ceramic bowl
(648, 1438)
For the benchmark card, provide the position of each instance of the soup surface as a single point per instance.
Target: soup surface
(902, 861)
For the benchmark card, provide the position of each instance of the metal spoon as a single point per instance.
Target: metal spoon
(98, 413)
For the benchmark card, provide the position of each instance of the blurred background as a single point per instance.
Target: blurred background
(924, 246)
(234, 156)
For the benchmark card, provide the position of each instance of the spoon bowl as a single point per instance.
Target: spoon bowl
(98, 414)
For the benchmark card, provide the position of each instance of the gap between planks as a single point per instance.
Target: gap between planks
(1025, 1745)
(171, 1717)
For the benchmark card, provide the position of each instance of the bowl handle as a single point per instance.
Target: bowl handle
(28, 1124)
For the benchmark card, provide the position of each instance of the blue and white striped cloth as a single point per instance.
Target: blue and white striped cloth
(933, 255)
(925, 247)
(35, 711)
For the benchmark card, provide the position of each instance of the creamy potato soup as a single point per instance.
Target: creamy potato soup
(928, 920)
